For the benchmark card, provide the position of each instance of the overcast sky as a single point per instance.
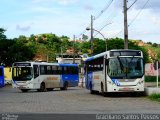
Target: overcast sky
(71, 17)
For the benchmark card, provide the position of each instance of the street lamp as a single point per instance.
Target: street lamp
(99, 33)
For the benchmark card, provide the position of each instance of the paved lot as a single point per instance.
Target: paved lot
(74, 100)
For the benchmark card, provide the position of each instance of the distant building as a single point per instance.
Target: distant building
(70, 58)
(40, 57)
(139, 42)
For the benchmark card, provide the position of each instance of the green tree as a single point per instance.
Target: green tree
(99, 46)
(41, 40)
(65, 43)
(21, 52)
(5, 47)
(84, 37)
(115, 43)
(32, 38)
(2, 36)
(86, 47)
(22, 38)
(155, 45)
(118, 43)
(150, 43)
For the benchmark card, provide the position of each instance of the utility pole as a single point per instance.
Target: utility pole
(61, 54)
(125, 25)
(74, 38)
(92, 34)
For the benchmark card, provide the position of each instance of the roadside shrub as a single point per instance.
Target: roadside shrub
(151, 78)
(155, 97)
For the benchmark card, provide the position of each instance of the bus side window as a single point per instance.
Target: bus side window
(36, 71)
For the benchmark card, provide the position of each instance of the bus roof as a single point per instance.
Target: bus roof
(105, 53)
(67, 64)
(27, 63)
(96, 56)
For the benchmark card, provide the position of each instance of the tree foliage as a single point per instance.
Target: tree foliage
(99, 46)
(155, 45)
(23, 48)
(115, 43)
(2, 36)
(118, 43)
(16, 49)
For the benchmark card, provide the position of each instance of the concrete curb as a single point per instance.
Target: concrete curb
(151, 90)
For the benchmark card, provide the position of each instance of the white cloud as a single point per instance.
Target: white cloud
(24, 26)
(88, 7)
(155, 20)
(45, 10)
(66, 2)
(41, 1)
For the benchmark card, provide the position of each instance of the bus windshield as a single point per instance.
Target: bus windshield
(22, 73)
(125, 67)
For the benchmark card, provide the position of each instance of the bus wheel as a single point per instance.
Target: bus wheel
(24, 90)
(49, 89)
(65, 86)
(43, 88)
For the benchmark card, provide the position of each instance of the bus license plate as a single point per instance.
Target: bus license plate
(126, 89)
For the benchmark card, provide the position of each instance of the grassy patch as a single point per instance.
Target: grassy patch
(155, 97)
(151, 78)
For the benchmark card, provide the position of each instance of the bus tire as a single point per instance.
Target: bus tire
(49, 89)
(24, 90)
(65, 86)
(43, 88)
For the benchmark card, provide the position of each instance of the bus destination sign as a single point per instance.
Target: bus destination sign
(22, 64)
(125, 53)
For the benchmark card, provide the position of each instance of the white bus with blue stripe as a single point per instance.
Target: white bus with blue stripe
(44, 76)
(115, 71)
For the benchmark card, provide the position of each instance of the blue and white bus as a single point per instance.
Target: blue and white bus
(115, 71)
(1, 76)
(44, 76)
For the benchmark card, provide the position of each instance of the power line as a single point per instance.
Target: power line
(118, 33)
(138, 13)
(105, 8)
(132, 4)
(102, 28)
(102, 11)
(110, 21)
(134, 17)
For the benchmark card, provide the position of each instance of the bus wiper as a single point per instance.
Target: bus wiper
(121, 65)
(131, 61)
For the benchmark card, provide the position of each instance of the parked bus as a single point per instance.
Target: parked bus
(44, 76)
(115, 71)
(1, 76)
